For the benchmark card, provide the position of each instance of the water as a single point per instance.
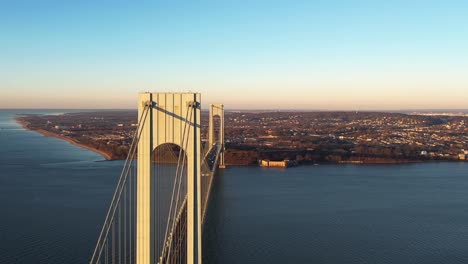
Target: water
(53, 197)
(340, 214)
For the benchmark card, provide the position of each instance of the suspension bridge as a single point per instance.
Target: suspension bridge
(160, 202)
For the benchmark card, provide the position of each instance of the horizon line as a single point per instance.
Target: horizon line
(275, 109)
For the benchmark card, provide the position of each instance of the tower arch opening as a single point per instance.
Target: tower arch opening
(169, 203)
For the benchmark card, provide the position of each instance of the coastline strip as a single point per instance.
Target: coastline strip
(46, 133)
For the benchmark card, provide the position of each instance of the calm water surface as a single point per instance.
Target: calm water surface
(340, 214)
(53, 198)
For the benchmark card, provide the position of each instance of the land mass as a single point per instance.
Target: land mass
(306, 137)
(26, 125)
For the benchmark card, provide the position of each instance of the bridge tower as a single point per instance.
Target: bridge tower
(217, 110)
(158, 206)
(168, 116)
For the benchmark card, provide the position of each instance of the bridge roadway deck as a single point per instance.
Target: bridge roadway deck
(176, 237)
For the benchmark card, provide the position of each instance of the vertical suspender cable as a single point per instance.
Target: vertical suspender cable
(119, 232)
(113, 243)
(133, 215)
(125, 225)
(116, 197)
(130, 211)
(107, 252)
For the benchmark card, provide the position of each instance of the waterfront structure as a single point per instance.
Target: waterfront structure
(158, 207)
(278, 164)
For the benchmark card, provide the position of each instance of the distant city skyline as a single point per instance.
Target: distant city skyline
(317, 55)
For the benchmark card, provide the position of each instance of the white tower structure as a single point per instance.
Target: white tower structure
(167, 116)
(217, 110)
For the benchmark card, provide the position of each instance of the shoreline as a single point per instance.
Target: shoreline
(108, 156)
(25, 125)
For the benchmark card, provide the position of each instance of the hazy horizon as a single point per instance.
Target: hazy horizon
(358, 55)
(270, 110)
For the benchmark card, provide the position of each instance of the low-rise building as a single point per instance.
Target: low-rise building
(277, 164)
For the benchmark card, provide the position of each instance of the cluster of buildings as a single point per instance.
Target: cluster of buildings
(340, 135)
(425, 136)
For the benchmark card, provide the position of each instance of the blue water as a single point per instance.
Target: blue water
(53, 197)
(340, 214)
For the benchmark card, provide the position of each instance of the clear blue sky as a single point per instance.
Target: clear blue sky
(247, 54)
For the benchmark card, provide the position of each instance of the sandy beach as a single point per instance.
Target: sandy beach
(25, 125)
